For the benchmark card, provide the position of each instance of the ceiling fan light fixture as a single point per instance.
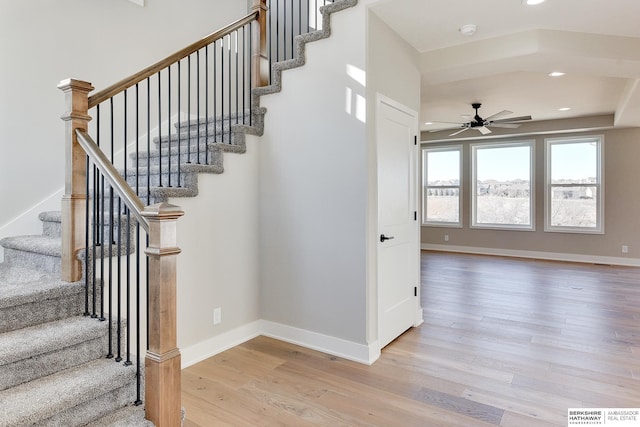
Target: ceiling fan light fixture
(468, 29)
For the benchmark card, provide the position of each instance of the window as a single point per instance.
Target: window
(502, 185)
(574, 190)
(441, 199)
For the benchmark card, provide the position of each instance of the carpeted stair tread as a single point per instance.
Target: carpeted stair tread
(39, 400)
(47, 337)
(38, 244)
(129, 416)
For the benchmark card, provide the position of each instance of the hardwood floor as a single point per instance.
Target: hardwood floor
(506, 342)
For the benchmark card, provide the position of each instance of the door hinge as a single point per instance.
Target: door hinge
(415, 139)
(415, 215)
(415, 291)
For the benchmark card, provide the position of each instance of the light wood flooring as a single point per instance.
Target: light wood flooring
(506, 342)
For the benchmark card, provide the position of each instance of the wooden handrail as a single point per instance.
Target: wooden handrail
(126, 83)
(119, 185)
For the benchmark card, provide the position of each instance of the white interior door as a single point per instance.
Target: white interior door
(398, 230)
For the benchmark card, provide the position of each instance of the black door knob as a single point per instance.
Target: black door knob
(383, 238)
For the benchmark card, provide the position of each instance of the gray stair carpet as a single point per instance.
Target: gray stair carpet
(53, 370)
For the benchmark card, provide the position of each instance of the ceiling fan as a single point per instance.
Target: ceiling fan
(483, 125)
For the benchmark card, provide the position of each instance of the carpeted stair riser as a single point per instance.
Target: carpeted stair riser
(34, 252)
(51, 224)
(44, 349)
(70, 398)
(60, 301)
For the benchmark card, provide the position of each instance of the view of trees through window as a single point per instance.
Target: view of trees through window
(573, 193)
(441, 198)
(502, 185)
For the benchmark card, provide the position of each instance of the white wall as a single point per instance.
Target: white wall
(102, 42)
(218, 266)
(313, 190)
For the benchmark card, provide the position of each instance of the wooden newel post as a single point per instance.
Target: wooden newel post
(75, 194)
(162, 363)
(260, 71)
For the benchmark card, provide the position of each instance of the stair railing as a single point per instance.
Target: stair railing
(111, 185)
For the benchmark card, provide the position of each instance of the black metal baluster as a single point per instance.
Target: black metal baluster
(284, 29)
(189, 108)
(169, 121)
(244, 71)
(206, 104)
(148, 140)
(229, 85)
(299, 17)
(237, 34)
(127, 361)
(97, 197)
(215, 92)
(198, 103)
(159, 130)
(119, 285)
(222, 88)
(110, 260)
(179, 124)
(269, 38)
(87, 243)
(250, 55)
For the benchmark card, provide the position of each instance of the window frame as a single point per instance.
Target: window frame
(599, 228)
(425, 186)
(529, 143)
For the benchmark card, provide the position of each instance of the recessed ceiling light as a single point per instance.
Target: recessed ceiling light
(556, 74)
(428, 123)
(532, 2)
(468, 30)
(564, 109)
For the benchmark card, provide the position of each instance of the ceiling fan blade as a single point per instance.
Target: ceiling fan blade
(484, 130)
(460, 131)
(497, 115)
(505, 125)
(443, 129)
(451, 123)
(513, 119)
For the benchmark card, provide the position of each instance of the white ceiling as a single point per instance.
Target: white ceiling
(504, 65)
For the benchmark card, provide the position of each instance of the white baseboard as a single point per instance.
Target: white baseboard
(212, 346)
(361, 353)
(350, 350)
(554, 256)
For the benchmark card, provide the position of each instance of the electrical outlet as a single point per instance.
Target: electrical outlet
(625, 249)
(446, 237)
(217, 315)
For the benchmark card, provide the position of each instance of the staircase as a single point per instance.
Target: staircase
(52, 366)
(53, 370)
